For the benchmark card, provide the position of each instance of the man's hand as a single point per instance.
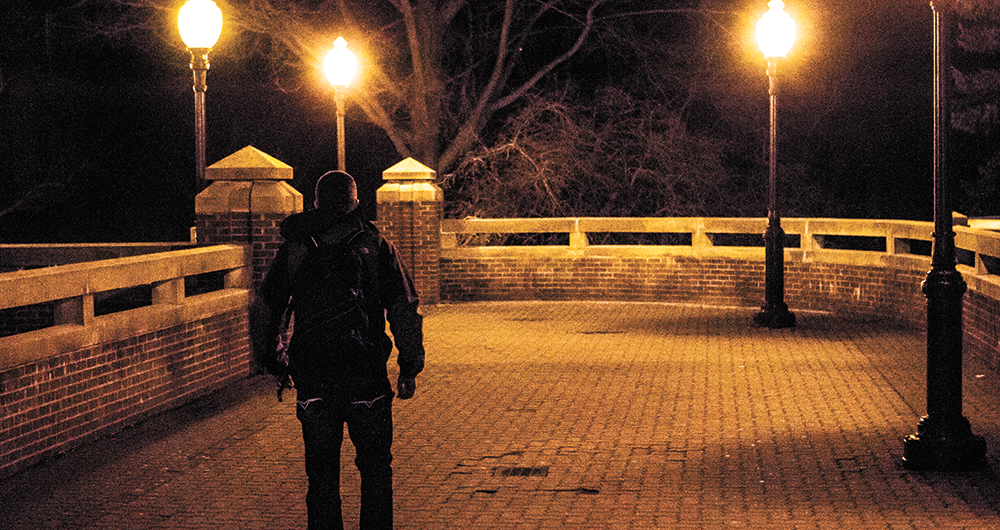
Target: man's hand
(283, 383)
(405, 387)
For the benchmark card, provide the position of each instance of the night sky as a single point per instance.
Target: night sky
(102, 132)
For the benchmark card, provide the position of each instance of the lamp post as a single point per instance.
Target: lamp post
(944, 439)
(340, 66)
(200, 23)
(775, 35)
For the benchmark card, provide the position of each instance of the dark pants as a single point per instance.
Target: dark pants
(369, 425)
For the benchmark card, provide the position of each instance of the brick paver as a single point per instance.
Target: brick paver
(536, 415)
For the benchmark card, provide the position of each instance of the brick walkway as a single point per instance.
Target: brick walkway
(568, 415)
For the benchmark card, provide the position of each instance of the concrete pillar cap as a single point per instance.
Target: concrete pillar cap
(249, 163)
(409, 169)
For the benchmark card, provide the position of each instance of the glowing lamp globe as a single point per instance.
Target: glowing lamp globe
(340, 64)
(200, 23)
(775, 31)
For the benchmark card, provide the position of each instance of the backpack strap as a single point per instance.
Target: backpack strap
(299, 250)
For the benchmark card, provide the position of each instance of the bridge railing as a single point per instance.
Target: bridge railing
(121, 339)
(866, 240)
(870, 268)
(138, 293)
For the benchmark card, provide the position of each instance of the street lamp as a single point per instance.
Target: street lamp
(775, 35)
(340, 66)
(200, 23)
(944, 439)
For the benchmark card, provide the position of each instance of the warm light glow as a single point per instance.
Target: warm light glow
(340, 64)
(775, 31)
(200, 22)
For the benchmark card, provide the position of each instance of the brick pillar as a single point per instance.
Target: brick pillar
(409, 215)
(245, 204)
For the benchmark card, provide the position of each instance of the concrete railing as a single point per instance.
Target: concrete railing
(704, 230)
(852, 241)
(180, 332)
(861, 266)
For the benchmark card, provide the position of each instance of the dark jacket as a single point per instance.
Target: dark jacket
(390, 293)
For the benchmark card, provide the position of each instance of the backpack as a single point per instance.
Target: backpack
(331, 326)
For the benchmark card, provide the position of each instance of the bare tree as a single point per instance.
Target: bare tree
(451, 79)
(975, 106)
(435, 72)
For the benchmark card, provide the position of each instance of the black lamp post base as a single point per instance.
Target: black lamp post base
(774, 318)
(950, 447)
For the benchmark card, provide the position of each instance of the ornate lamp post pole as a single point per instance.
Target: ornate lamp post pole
(200, 23)
(944, 439)
(340, 66)
(775, 35)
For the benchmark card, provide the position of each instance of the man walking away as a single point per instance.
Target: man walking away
(341, 280)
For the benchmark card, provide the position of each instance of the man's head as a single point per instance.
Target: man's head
(336, 190)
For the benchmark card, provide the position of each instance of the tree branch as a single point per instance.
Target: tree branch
(530, 83)
(450, 9)
(468, 132)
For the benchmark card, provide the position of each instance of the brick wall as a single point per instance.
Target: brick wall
(414, 229)
(857, 289)
(537, 277)
(24, 319)
(981, 325)
(891, 290)
(261, 230)
(64, 400)
(514, 275)
(96, 366)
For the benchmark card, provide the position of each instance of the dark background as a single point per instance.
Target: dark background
(97, 134)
